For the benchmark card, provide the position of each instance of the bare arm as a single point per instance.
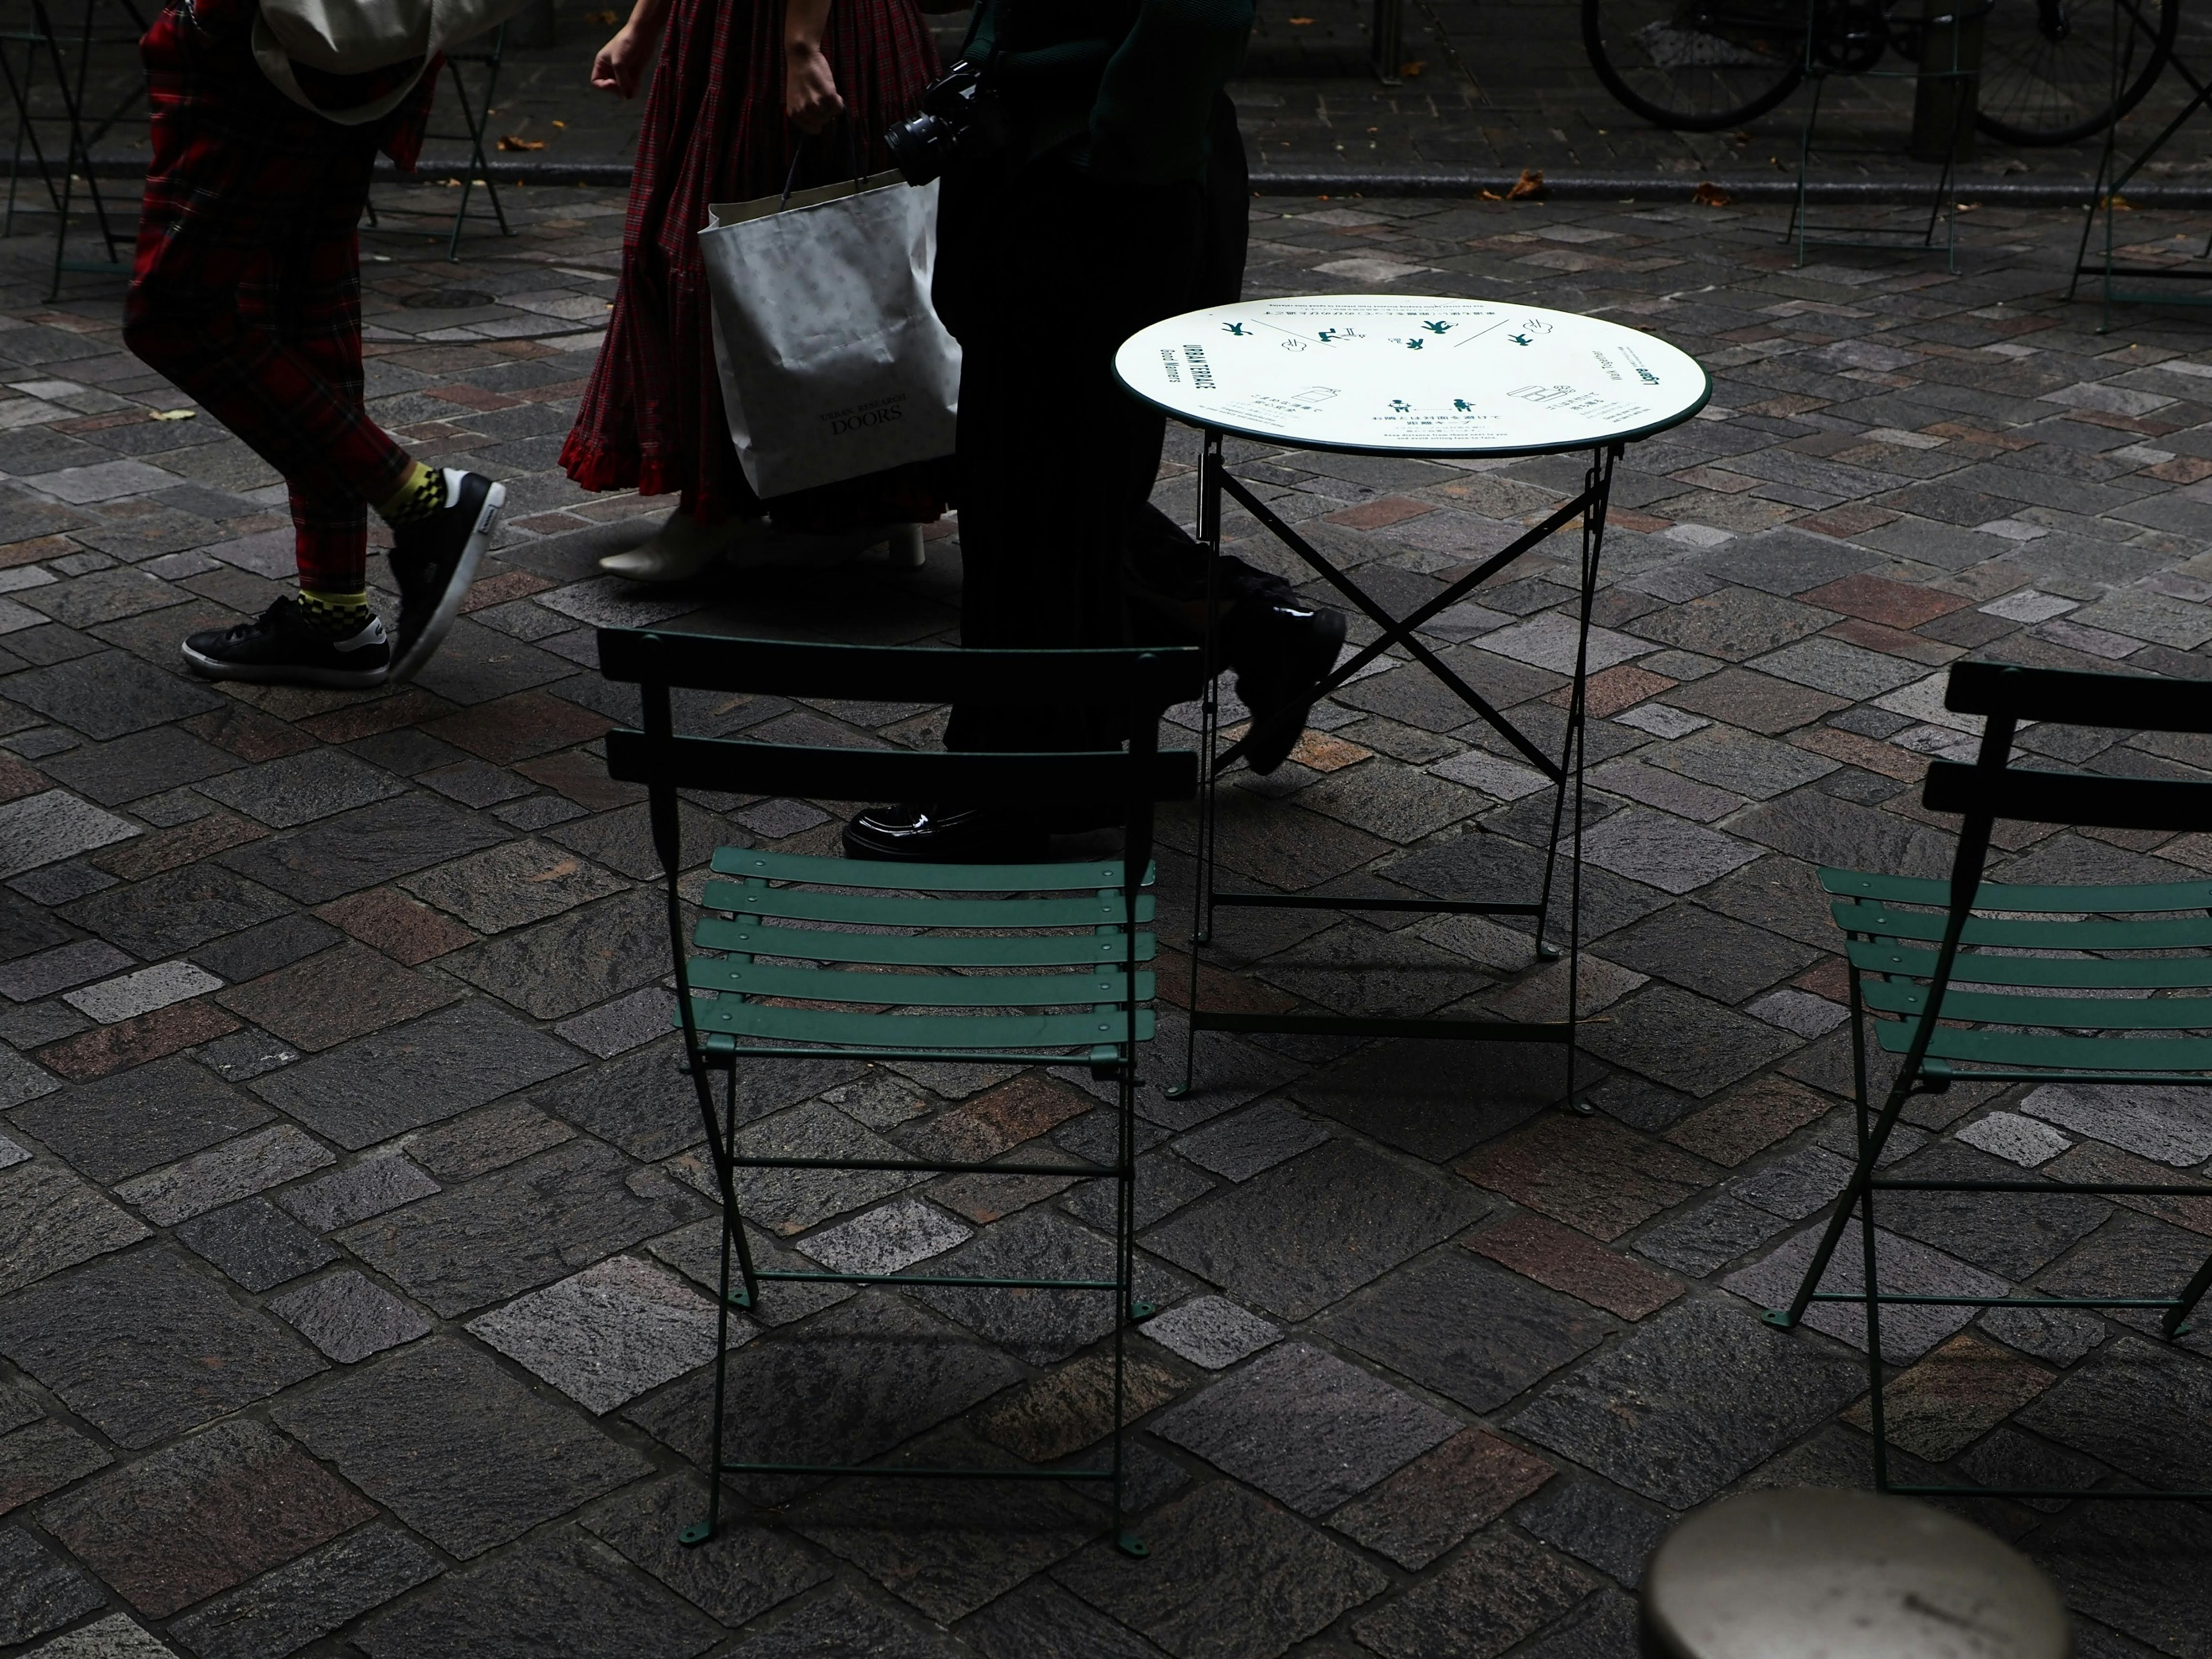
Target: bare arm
(810, 89)
(622, 62)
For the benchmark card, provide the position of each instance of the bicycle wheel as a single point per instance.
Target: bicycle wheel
(1697, 65)
(2047, 65)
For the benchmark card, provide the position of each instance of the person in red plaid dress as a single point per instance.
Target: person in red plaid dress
(741, 90)
(246, 293)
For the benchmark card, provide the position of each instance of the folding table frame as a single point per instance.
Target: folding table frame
(44, 40)
(1564, 772)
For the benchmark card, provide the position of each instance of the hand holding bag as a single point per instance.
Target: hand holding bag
(353, 37)
(832, 360)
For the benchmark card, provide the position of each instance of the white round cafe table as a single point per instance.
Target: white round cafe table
(1419, 377)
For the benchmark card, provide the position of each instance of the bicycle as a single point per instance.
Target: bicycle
(2047, 66)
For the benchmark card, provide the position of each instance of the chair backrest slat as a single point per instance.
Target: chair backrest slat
(1147, 676)
(2075, 797)
(2072, 697)
(875, 775)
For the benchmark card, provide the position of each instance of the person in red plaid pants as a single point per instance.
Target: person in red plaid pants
(245, 292)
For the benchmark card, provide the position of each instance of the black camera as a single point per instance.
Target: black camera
(961, 120)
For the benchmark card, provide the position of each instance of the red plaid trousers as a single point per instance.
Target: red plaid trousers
(246, 288)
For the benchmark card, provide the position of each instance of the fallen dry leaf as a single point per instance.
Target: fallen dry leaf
(171, 414)
(605, 19)
(1529, 187)
(1709, 194)
(515, 141)
(1412, 71)
(1300, 22)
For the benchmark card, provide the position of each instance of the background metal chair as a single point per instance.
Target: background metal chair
(839, 957)
(1991, 981)
(476, 118)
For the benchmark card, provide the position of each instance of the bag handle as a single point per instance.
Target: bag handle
(269, 52)
(853, 135)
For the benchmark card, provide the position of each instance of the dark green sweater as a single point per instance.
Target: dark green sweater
(1122, 88)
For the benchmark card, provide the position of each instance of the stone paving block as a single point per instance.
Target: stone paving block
(237, 1168)
(1566, 1261)
(39, 1591)
(1686, 1041)
(43, 1457)
(842, 1387)
(2137, 1406)
(123, 1126)
(1211, 1331)
(1305, 1427)
(511, 885)
(623, 1023)
(2171, 1125)
(302, 788)
(1590, 1173)
(1042, 1326)
(485, 1141)
(282, 1611)
(2013, 1234)
(1163, 1185)
(574, 961)
(116, 1636)
(841, 1622)
(339, 995)
(1040, 1621)
(2060, 1335)
(358, 1192)
(143, 763)
(791, 1201)
(566, 1595)
(262, 949)
(1907, 1330)
(749, 1567)
(350, 1317)
(1606, 1627)
(171, 912)
(1256, 1138)
(110, 693)
(146, 1348)
(1688, 1402)
(1954, 1396)
(357, 849)
(1440, 1498)
(1061, 1413)
(520, 1226)
(643, 1102)
(1748, 1121)
(402, 928)
(1294, 1582)
(203, 1515)
(1303, 1234)
(1708, 1236)
(21, 1081)
(887, 1240)
(2133, 1566)
(1592, 1522)
(1794, 1185)
(1465, 1329)
(2004, 1458)
(999, 1120)
(2017, 1139)
(607, 1334)
(257, 1244)
(26, 978)
(436, 1069)
(455, 1447)
(1663, 852)
(945, 1548)
(49, 1220)
(45, 828)
(1496, 1591)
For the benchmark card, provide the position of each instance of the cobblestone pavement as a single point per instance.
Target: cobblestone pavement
(352, 1222)
(1497, 86)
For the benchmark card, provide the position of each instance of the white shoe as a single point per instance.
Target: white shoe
(679, 549)
(904, 547)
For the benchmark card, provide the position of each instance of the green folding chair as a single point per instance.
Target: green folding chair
(819, 958)
(1989, 981)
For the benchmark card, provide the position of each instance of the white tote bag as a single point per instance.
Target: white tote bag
(352, 37)
(833, 363)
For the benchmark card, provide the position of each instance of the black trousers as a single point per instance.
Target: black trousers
(1041, 278)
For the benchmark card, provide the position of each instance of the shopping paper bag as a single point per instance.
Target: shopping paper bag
(833, 363)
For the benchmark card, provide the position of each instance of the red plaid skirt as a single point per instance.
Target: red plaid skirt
(714, 131)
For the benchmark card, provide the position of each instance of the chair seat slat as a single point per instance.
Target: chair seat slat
(876, 909)
(2008, 896)
(961, 1032)
(2068, 1013)
(2061, 973)
(920, 990)
(922, 950)
(1085, 875)
(2056, 1053)
(2159, 933)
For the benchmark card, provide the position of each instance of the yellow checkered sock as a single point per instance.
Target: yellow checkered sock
(337, 615)
(422, 494)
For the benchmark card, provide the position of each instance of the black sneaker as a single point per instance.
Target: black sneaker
(281, 646)
(434, 560)
(944, 834)
(1282, 649)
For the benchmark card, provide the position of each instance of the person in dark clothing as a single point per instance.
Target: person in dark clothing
(1120, 199)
